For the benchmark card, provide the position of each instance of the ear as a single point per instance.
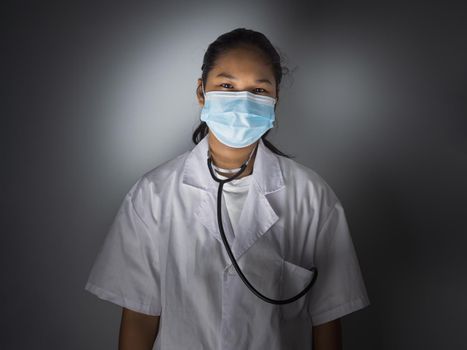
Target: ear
(199, 92)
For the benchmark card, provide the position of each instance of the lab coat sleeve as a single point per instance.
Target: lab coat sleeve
(126, 270)
(339, 288)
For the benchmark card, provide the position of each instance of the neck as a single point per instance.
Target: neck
(229, 157)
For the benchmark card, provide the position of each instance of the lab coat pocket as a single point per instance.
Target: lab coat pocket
(294, 279)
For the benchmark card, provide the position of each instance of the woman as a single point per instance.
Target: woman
(174, 263)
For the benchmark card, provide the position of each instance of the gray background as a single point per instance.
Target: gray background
(94, 95)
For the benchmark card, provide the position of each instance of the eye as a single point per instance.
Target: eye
(225, 84)
(256, 90)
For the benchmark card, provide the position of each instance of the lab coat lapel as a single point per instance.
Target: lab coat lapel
(256, 218)
(197, 175)
(257, 215)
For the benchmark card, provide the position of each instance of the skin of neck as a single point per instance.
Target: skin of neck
(227, 157)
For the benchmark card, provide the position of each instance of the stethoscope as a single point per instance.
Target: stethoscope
(226, 244)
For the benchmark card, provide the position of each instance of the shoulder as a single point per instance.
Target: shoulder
(308, 184)
(152, 184)
(159, 176)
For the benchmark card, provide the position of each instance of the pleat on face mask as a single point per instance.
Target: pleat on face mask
(238, 118)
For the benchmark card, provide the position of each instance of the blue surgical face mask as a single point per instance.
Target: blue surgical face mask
(238, 118)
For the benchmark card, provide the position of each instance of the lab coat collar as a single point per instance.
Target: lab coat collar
(266, 169)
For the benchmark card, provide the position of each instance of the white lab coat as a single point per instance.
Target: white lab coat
(164, 255)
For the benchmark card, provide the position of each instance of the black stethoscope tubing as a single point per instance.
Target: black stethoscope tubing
(229, 251)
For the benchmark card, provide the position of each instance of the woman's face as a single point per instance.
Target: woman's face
(240, 69)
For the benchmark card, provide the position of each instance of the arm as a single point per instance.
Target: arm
(328, 336)
(137, 331)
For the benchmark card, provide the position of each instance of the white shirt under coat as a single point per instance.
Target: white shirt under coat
(234, 195)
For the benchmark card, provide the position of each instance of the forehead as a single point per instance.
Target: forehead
(243, 62)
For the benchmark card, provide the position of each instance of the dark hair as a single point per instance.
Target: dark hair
(233, 39)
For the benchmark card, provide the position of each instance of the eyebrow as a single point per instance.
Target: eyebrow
(228, 76)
